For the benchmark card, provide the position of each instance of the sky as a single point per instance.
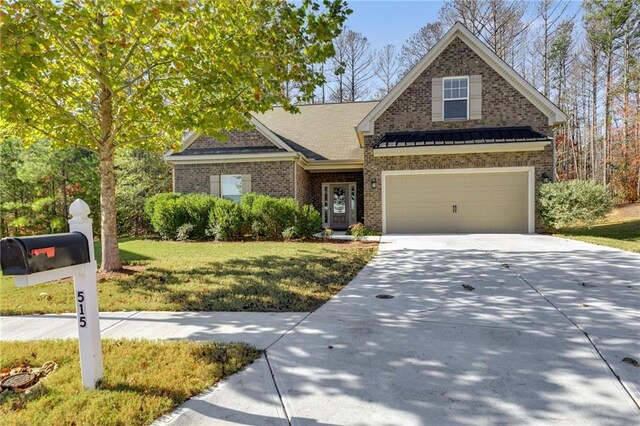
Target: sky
(393, 21)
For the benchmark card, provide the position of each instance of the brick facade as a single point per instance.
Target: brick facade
(303, 185)
(235, 139)
(275, 178)
(502, 105)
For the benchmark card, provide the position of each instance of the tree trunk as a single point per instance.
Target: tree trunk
(594, 111)
(108, 228)
(607, 119)
(65, 207)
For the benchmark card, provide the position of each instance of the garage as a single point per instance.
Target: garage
(492, 200)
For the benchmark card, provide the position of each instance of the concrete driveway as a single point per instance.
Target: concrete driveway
(540, 340)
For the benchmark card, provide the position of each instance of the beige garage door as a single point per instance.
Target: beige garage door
(465, 202)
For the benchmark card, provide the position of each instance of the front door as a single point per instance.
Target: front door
(339, 206)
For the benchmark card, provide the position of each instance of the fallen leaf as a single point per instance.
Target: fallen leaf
(631, 361)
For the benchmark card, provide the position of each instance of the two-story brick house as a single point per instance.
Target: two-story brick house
(459, 145)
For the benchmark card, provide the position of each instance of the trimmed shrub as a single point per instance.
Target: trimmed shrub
(170, 211)
(227, 221)
(308, 222)
(327, 233)
(197, 216)
(576, 202)
(167, 216)
(269, 216)
(197, 207)
(150, 203)
(358, 230)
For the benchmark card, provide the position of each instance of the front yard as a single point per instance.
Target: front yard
(143, 380)
(188, 276)
(621, 233)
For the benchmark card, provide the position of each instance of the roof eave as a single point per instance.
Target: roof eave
(461, 149)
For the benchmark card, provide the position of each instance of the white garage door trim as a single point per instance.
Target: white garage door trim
(530, 196)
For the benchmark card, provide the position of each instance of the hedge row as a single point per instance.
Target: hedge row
(199, 216)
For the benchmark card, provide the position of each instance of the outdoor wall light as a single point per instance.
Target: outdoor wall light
(545, 177)
(374, 183)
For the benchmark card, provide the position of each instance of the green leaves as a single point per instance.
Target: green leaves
(109, 73)
(161, 66)
(562, 204)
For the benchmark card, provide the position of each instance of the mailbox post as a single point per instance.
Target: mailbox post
(86, 293)
(39, 259)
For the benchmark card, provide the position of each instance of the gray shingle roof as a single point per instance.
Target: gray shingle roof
(320, 131)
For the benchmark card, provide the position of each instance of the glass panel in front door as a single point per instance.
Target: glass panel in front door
(339, 200)
(339, 207)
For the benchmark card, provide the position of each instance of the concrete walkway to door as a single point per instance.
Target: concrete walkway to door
(538, 337)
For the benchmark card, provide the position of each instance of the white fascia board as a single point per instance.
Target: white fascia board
(230, 158)
(329, 165)
(554, 114)
(460, 149)
(187, 140)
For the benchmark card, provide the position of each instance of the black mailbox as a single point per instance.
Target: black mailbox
(27, 255)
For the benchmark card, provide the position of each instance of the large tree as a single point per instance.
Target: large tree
(607, 21)
(110, 73)
(416, 46)
(353, 67)
(387, 69)
(499, 23)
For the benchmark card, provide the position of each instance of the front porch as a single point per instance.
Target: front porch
(338, 196)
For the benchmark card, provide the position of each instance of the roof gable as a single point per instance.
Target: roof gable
(191, 137)
(554, 114)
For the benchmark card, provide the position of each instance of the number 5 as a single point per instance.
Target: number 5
(80, 296)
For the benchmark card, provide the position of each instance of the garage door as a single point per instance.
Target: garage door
(462, 202)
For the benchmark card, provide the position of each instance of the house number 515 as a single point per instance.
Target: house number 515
(82, 320)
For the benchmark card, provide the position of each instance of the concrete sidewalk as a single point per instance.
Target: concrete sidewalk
(255, 328)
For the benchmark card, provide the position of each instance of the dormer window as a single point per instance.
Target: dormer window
(455, 98)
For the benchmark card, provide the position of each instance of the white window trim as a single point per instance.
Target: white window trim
(444, 100)
(222, 195)
(530, 170)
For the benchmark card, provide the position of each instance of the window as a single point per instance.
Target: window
(231, 187)
(456, 98)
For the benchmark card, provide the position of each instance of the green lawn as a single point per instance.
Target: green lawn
(622, 234)
(143, 380)
(209, 276)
